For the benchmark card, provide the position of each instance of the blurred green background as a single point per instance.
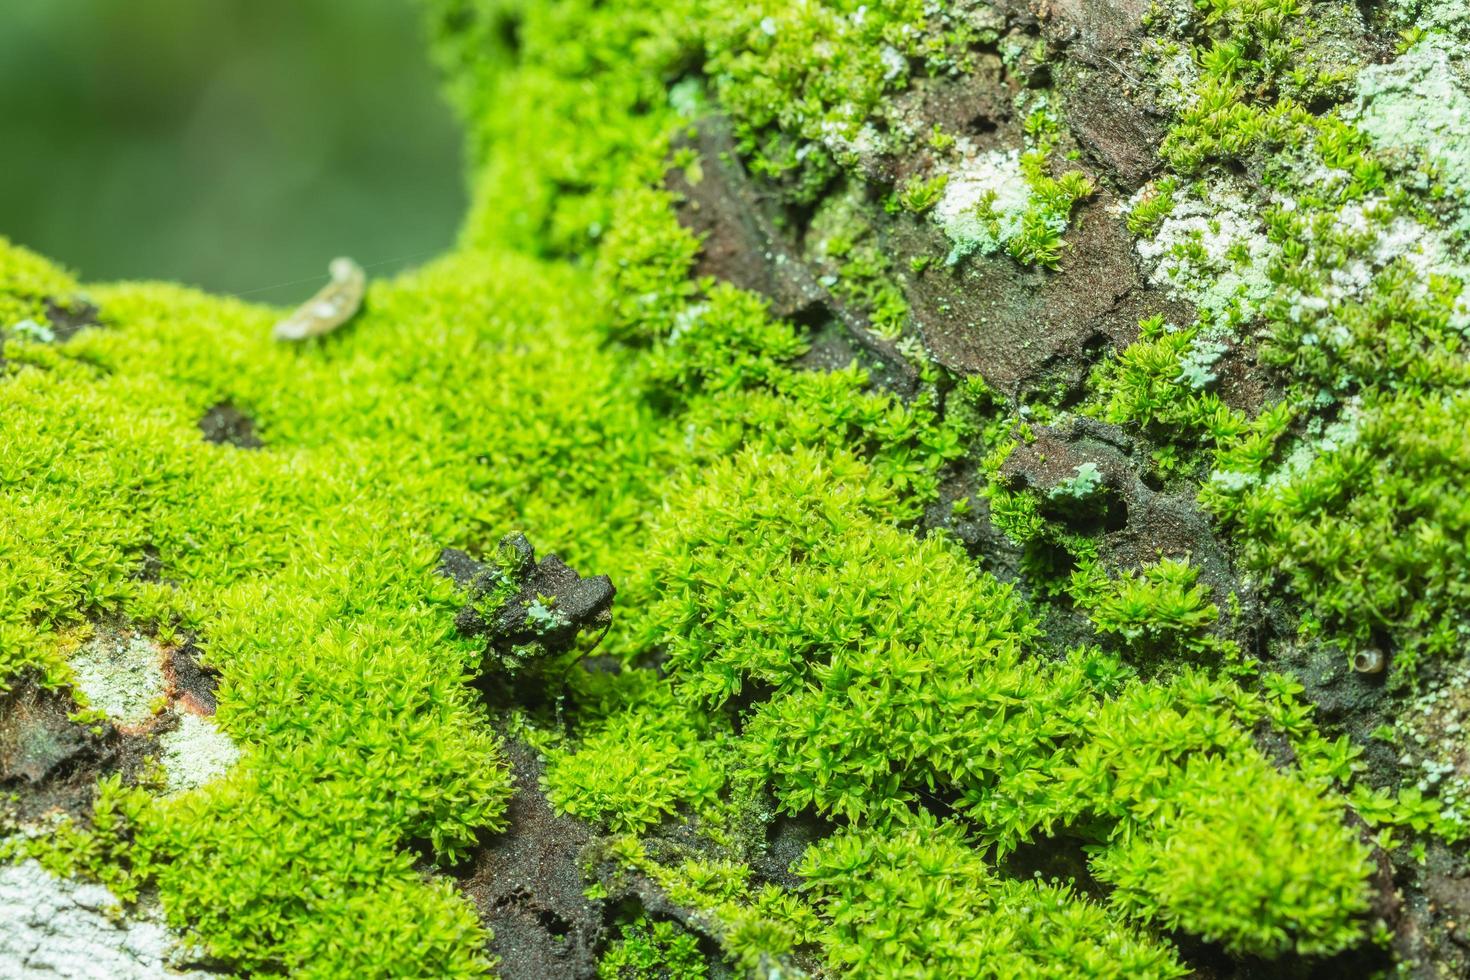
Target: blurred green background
(236, 145)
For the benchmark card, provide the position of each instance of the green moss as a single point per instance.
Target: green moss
(1162, 610)
(1152, 384)
(653, 950)
(27, 281)
(845, 240)
(921, 194)
(885, 668)
(922, 902)
(1235, 875)
(1353, 280)
(1414, 110)
(641, 765)
(1151, 209)
(563, 373)
(103, 848)
(757, 928)
(1388, 560)
(1039, 239)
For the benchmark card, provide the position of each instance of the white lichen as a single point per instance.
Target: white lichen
(1176, 72)
(984, 200)
(1321, 440)
(195, 753)
(846, 136)
(121, 674)
(1416, 109)
(1213, 252)
(55, 928)
(1085, 481)
(1449, 17)
(895, 65)
(1385, 237)
(31, 330)
(542, 617)
(1197, 364)
(1431, 735)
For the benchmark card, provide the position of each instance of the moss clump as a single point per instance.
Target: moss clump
(920, 901)
(30, 281)
(1148, 385)
(1162, 609)
(642, 765)
(878, 669)
(846, 242)
(1390, 561)
(1354, 278)
(1229, 862)
(653, 950)
(563, 372)
(103, 848)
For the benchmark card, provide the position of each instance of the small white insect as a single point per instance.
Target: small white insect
(336, 303)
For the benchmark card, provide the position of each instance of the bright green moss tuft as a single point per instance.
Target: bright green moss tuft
(103, 849)
(922, 902)
(1146, 215)
(921, 194)
(653, 950)
(1232, 862)
(1372, 531)
(562, 372)
(27, 281)
(1150, 384)
(878, 669)
(1163, 610)
(640, 766)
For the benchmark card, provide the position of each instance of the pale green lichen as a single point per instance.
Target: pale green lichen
(1081, 485)
(1009, 198)
(31, 330)
(1416, 110)
(194, 753)
(1210, 247)
(1447, 17)
(984, 199)
(1197, 364)
(120, 673)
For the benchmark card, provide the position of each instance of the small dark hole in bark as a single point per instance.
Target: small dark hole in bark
(983, 124)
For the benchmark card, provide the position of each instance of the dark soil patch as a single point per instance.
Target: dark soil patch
(575, 602)
(191, 685)
(150, 566)
(1027, 329)
(787, 839)
(50, 764)
(972, 527)
(68, 317)
(224, 424)
(527, 886)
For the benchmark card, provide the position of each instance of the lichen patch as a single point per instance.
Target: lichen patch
(121, 674)
(50, 927)
(1433, 736)
(1213, 251)
(195, 753)
(983, 185)
(1415, 109)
